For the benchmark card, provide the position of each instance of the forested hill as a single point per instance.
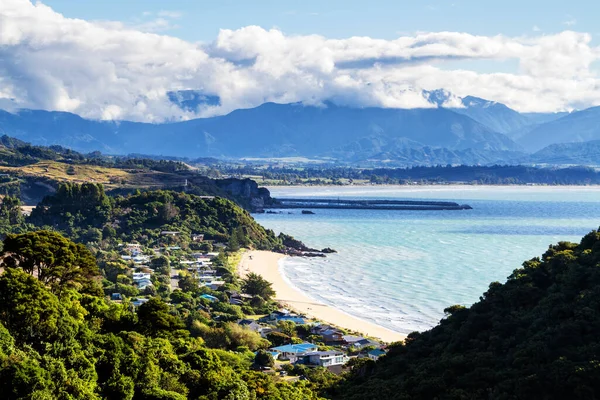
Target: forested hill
(85, 213)
(534, 337)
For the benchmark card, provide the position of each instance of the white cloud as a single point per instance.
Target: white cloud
(536, 28)
(108, 70)
(170, 14)
(570, 21)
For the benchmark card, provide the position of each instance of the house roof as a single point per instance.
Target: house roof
(376, 352)
(297, 320)
(209, 297)
(331, 332)
(246, 322)
(367, 342)
(295, 348)
(352, 338)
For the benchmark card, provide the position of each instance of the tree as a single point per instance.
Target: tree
(287, 328)
(10, 212)
(161, 265)
(234, 243)
(264, 359)
(28, 310)
(189, 284)
(256, 285)
(154, 317)
(53, 259)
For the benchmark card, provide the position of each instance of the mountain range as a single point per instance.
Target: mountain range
(467, 130)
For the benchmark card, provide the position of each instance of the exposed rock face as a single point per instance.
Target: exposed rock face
(247, 192)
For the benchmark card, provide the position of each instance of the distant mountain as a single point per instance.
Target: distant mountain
(496, 116)
(584, 153)
(579, 126)
(407, 152)
(542, 118)
(265, 131)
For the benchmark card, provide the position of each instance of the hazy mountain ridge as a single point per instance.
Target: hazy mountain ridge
(467, 130)
(268, 130)
(579, 126)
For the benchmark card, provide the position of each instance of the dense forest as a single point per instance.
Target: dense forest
(86, 213)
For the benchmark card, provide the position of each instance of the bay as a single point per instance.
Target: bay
(400, 269)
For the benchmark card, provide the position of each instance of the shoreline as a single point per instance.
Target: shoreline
(266, 264)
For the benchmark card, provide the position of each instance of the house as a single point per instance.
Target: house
(375, 354)
(292, 351)
(328, 333)
(236, 302)
(143, 283)
(250, 324)
(139, 302)
(323, 358)
(265, 331)
(210, 298)
(141, 275)
(170, 233)
(197, 237)
(116, 297)
(214, 285)
(293, 318)
(278, 314)
(361, 344)
(239, 298)
(351, 339)
(139, 259)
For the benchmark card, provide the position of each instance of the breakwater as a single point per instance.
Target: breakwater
(367, 204)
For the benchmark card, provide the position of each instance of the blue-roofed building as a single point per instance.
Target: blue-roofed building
(209, 298)
(291, 351)
(295, 319)
(375, 354)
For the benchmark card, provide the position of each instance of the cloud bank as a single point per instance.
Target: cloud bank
(108, 70)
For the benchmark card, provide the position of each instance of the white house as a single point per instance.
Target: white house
(139, 302)
(323, 358)
(214, 285)
(293, 351)
(143, 283)
(141, 275)
(197, 237)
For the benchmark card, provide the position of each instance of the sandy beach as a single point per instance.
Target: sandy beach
(265, 263)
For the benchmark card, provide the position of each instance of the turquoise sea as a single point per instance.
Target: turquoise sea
(400, 269)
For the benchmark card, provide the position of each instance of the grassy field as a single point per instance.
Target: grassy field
(110, 177)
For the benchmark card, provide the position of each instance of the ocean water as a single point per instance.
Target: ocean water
(400, 269)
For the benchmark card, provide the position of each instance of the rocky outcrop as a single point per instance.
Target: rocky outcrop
(246, 192)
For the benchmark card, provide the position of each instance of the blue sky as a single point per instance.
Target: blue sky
(201, 20)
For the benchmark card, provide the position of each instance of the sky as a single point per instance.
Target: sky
(119, 59)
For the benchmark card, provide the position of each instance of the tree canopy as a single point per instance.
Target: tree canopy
(256, 285)
(52, 258)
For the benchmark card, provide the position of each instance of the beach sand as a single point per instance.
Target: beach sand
(265, 263)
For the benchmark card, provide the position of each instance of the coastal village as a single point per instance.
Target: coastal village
(290, 339)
